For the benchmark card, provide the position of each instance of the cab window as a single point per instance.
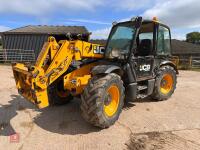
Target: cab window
(163, 42)
(145, 40)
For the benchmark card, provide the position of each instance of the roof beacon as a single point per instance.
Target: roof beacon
(155, 19)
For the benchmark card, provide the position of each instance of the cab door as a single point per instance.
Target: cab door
(144, 56)
(144, 67)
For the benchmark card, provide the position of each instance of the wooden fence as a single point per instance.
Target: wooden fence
(187, 63)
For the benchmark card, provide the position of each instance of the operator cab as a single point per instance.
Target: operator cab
(139, 42)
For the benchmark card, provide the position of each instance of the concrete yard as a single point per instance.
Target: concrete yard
(143, 125)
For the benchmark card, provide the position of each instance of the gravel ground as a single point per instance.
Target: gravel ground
(143, 125)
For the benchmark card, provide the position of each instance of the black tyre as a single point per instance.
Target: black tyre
(102, 100)
(165, 84)
(57, 95)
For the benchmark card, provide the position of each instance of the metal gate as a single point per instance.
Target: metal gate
(195, 62)
(17, 55)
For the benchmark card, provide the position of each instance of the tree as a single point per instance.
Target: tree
(193, 37)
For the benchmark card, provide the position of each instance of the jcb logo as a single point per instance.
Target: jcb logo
(145, 67)
(98, 49)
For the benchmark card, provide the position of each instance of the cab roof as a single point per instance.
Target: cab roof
(148, 21)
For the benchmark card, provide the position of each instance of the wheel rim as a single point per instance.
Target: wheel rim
(111, 105)
(166, 84)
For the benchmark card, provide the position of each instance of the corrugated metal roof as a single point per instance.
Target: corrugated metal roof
(100, 41)
(181, 47)
(48, 30)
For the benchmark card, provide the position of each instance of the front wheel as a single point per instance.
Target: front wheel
(165, 84)
(102, 100)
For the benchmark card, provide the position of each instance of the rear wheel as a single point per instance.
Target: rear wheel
(58, 95)
(102, 100)
(165, 83)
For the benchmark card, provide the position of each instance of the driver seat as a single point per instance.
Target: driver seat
(145, 47)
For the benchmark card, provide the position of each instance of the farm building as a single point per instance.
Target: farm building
(30, 39)
(100, 41)
(188, 54)
(184, 49)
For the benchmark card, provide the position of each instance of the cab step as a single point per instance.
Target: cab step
(141, 90)
(141, 96)
(142, 87)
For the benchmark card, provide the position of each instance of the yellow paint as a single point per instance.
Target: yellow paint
(114, 96)
(80, 76)
(166, 84)
(53, 61)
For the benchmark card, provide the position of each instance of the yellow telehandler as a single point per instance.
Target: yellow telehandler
(135, 63)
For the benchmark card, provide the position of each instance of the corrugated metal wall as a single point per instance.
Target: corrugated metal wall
(24, 41)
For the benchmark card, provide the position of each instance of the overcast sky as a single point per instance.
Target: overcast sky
(182, 16)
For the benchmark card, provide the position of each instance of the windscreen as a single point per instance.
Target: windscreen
(120, 41)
